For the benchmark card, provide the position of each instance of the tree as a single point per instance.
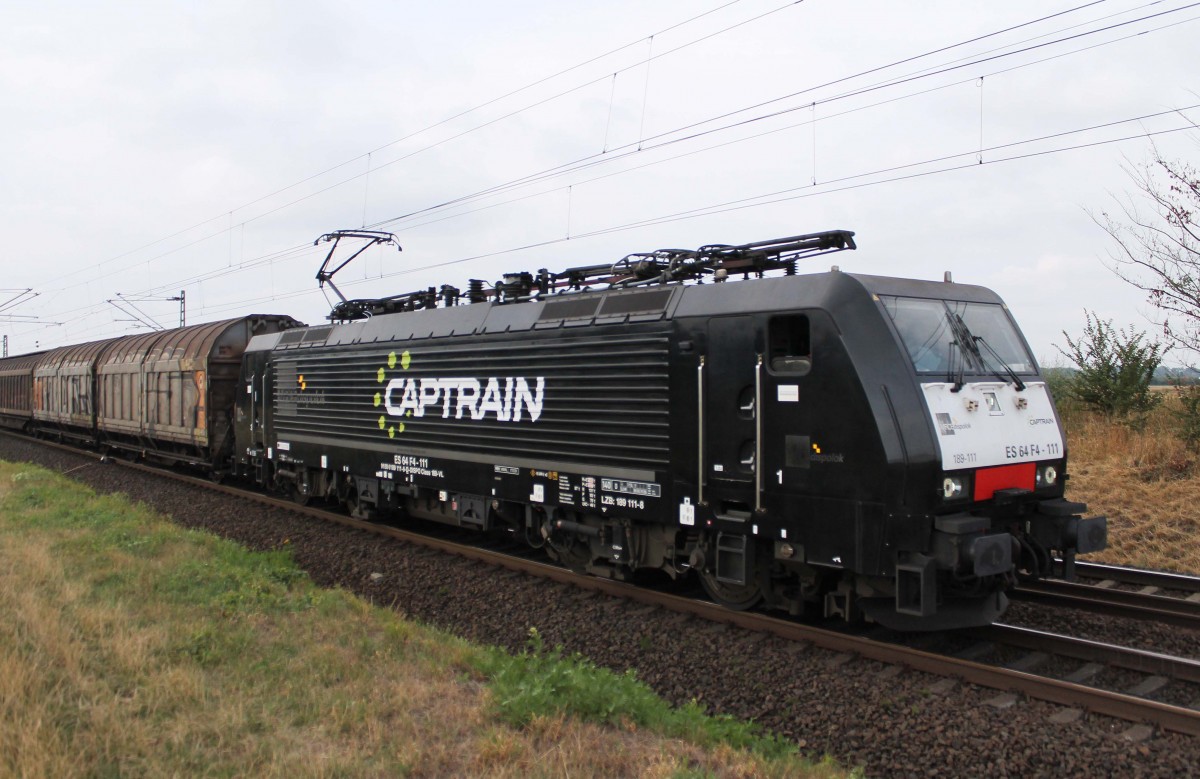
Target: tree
(1115, 368)
(1160, 252)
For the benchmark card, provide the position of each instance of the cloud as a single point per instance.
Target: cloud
(152, 146)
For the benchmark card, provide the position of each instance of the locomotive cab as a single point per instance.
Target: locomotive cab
(1000, 454)
(880, 447)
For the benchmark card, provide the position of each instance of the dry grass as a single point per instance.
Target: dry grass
(1145, 480)
(130, 647)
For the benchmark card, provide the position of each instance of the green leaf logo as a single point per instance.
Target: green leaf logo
(405, 360)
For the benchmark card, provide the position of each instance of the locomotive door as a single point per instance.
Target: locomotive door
(259, 425)
(255, 403)
(730, 402)
(788, 402)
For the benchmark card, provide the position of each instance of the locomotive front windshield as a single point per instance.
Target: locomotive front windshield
(950, 337)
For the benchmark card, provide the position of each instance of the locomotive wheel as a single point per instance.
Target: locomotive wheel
(738, 597)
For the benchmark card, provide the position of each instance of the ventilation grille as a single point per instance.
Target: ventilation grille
(603, 400)
(650, 302)
(571, 308)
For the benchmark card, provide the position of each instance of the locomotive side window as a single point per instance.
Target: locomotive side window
(789, 345)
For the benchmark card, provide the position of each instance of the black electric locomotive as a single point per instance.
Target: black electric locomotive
(831, 443)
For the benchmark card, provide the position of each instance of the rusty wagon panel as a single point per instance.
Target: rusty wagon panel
(171, 391)
(16, 389)
(63, 386)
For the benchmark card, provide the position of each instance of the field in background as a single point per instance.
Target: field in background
(1144, 479)
(129, 646)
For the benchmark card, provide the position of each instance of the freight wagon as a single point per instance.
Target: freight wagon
(166, 394)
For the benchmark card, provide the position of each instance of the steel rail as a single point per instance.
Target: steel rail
(1113, 704)
(1166, 580)
(1115, 603)
(1143, 661)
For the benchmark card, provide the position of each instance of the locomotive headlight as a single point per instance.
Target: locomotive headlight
(953, 487)
(1047, 476)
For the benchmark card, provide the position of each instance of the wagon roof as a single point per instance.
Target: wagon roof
(79, 354)
(180, 343)
(195, 342)
(21, 363)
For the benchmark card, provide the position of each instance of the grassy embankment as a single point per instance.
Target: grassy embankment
(129, 646)
(1145, 480)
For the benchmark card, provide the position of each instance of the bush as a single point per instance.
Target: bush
(1059, 380)
(1115, 368)
(1188, 415)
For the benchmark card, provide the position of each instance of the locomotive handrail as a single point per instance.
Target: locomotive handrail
(758, 426)
(701, 476)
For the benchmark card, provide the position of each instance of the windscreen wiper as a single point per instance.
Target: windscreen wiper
(1020, 385)
(970, 344)
(967, 347)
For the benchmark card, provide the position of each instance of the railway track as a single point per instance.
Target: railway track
(1133, 672)
(1016, 677)
(1170, 598)
(1110, 575)
(1095, 652)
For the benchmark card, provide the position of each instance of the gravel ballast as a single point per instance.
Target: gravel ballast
(891, 721)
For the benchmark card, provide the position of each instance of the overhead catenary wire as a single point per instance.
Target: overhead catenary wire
(708, 210)
(254, 264)
(541, 193)
(723, 144)
(516, 112)
(780, 196)
(523, 89)
(666, 138)
(830, 99)
(592, 161)
(447, 120)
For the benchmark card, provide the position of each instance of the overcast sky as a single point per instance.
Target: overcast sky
(153, 147)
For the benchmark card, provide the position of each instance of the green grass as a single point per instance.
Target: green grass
(539, 682)
(131, 646)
